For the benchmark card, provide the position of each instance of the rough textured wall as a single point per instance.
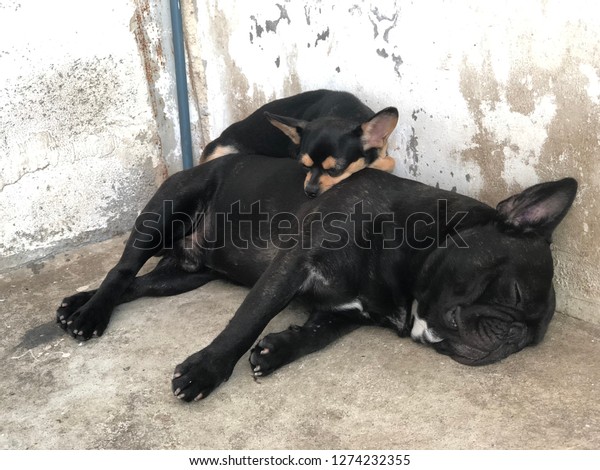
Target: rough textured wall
(151, 27)
(493, 96)
(81, 97)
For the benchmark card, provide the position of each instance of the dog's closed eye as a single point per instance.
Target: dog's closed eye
(333, 172)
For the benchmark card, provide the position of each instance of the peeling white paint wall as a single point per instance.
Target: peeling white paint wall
(81, 133)
(493, 96)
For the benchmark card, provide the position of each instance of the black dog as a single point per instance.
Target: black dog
(332, 133)
(359, 254)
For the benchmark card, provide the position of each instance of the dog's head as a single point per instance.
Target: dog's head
(331, 149)
(480, 304)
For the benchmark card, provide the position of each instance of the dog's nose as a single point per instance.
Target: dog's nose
(311, 192)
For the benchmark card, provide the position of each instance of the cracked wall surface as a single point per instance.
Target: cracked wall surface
(86, 114)
(493, 96)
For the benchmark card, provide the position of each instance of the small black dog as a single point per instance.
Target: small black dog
(332, 133)
(359, 254)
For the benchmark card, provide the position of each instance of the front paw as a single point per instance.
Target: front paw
(197, 376)
(274, 351)
(78, 317)
(70, 305)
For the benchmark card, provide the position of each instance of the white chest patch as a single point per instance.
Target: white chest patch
(354, 305)
(314, 277)
(420, 331)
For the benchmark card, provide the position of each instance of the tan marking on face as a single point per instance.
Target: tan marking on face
(329, 163)
(386, 163)
(306, 160)
(326, 181)
(356, 166)
(219, 151)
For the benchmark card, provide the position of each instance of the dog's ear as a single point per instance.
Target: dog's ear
(375, 132)
(289, 126)
(539, 208)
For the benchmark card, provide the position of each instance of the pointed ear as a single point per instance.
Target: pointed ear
(289, 126)
(375, 132)
(539, 208)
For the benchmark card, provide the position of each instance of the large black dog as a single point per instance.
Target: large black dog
(362, 253)
(332, 133)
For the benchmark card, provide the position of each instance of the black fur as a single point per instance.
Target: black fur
(359, 254)
(315, 124)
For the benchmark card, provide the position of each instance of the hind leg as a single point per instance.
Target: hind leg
(165, 220)
(87, 314)
(167, 278)
(278, 349)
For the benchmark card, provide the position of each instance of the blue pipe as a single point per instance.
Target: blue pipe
(182, 90)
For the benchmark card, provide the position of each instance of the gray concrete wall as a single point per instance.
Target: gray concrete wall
(493, 96)
(88, 124)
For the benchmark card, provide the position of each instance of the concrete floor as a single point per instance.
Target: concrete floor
(371, 390)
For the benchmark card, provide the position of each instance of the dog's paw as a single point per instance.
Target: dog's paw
(197, 376)
(273, 351)
(80, 319)
(70, 305)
